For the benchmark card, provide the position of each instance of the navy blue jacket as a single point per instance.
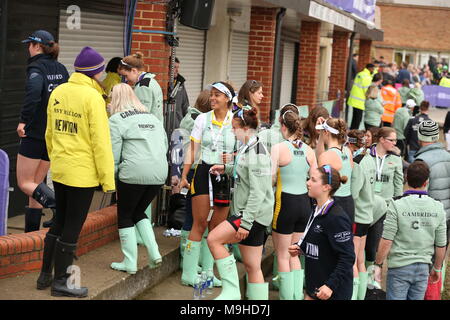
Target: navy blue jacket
(43, 75)
(329, 254)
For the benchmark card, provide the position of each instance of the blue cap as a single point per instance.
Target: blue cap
(40, 36)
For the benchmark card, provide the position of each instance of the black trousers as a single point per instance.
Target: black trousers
(401, 144)
(373, 239)
(72, 206)
(356, 119)
(132, 201)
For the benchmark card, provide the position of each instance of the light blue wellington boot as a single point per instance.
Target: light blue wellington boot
(230, 279)
(206, 259)
(362, 289)
(190, 262)
(299, 277)
(355, 288)
(148, 237)
(286, 282)
(258, 291)
(129, 249)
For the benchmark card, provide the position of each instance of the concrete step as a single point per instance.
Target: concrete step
(172, 289)
(96, 274)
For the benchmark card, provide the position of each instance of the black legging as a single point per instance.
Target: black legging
(132, 201)
(373, 239)
(356, 118)
(72, 206)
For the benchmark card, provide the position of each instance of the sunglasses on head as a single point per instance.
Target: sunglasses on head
(327, 169)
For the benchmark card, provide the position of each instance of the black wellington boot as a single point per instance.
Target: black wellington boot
(46, 276)
(32, 219)
(49, 223)
(62, 286)
(44, 195)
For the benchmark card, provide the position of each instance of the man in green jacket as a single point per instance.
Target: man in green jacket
(357, 96)
(414, 230)
(401, 118)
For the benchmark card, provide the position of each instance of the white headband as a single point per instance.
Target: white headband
(325, 126)
(222, 88)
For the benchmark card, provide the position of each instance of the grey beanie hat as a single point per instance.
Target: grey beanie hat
(428, 131)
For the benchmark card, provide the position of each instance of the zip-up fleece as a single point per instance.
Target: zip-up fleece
(150, 94)
(77, 135)
(363, 179)
(253, 194)
(415, 223)
(139, 145)
(329, 254)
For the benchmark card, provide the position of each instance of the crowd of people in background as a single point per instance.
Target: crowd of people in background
(337, 200)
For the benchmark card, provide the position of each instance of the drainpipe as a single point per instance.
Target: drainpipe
(276, 70)
(349, 82)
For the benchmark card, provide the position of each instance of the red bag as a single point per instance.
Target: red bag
(433, 290)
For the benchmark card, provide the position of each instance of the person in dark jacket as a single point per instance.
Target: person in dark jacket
(182, 99)
(403, 73)
(327, 242)
(411, 130)
(44, 73)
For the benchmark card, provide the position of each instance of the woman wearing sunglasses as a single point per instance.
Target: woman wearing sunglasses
(211, 139)
(327, 242)
(292, 162)
(251, 211)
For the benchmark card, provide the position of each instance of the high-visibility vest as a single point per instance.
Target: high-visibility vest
(391, 102)
(445, 82)
(357, 96)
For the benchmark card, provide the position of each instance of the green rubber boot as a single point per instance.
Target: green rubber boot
(355, 288)
(190, 262)
(258, 291)
(275, 279)
(230, 279)
(129, 249)
(444, 266)
(206, 259)
(363, 278)
(286, 285)
(148, 213)
(148, 237)
(299, 276)
(183, 239)
(237, 252)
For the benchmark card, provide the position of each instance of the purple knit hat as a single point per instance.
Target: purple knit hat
(89, 62)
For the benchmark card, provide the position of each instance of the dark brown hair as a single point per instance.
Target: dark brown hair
(417, 173)
(374, 133)
(52, 49)
(290, 118)
(249, 86)
(405, 83)
(310, 125)
(336, 179)
(250, 117)
(202, 103)
(341, 126)
(359, 135)
(134, 60)
(424, 105)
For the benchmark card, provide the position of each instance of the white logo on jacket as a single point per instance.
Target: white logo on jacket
(312, 250)
(343, 236)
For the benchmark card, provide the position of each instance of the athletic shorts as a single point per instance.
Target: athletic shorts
(33, 149)
(348, 205)
(221, 189)
(255, 237)
(360, 229)
(293, 213)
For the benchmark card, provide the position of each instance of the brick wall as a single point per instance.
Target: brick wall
(261, 53)
(153, 46)
(308, 66)
(423, 28)
(365, 57)
(22, 253)
(339, 59)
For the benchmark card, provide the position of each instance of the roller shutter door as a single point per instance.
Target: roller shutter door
(287, 72)
(191, 53)
(237, 67)
(101, 27)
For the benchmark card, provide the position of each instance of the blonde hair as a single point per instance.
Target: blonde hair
(123, 98)
(372, 92)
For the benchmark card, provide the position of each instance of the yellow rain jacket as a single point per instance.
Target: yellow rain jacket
(357, 96)
(77, 135)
